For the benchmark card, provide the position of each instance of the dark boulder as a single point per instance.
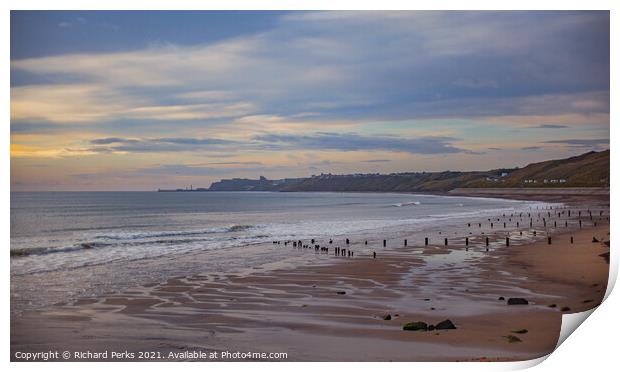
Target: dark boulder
(341, 292)
(446, 324)
(501, 298)
(387, 317)
(415, 326)
(517, 301)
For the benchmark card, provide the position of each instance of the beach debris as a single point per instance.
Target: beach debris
(565, 308)
(517, 301)
(446, 324)
(501, 298)
(512, 339)
(415, 326)
(387, 317)
(423, 326)
(341, 292)
(520, 331)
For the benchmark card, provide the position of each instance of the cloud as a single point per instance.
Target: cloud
(582, 142)
(550, 126)
(476, 83)
(193, 141)
(356, 142)
(93, 103)
(531, 148)
(416, 64)
(152, 145)
(111, 140)
(283, 143)
(376, 161)
(236, 163)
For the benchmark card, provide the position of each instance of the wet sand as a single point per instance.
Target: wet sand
(334, 311)
(550, 194)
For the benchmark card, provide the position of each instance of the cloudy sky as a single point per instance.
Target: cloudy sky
(141, 100)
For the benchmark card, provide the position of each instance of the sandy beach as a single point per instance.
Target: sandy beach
(298, 185)
(345, 308)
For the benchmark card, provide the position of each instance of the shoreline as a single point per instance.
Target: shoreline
(545, 194)
(301, 308)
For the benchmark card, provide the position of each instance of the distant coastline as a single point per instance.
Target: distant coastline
(589, 170)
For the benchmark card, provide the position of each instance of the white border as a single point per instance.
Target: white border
(592, 347)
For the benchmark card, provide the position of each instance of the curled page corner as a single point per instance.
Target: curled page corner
(525, 364)
(570, 322)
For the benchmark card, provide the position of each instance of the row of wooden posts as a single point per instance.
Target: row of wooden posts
(349, 253)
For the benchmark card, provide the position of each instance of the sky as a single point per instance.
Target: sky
(140, 100)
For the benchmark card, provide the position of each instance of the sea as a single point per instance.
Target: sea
(69, 245)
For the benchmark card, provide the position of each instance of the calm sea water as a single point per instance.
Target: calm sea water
(82, 243)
